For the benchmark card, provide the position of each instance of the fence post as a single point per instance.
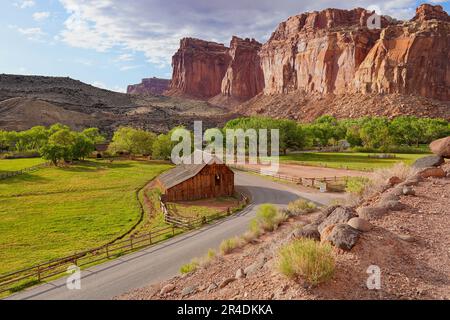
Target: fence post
(131, 243)
(39, 273)
(150, 237)
(173, 230)
(107, 251)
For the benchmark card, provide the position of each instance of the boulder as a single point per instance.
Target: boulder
(413, 181)
(326, 232)
(344, 236)
(427, 162)
(392, 181)
(372, 213)
(441, 147)
(188, 290)
(360, 224)
(433, 173)
(391, 196)
(167, 288)
(257, 265)
(309, 231)
(339, 215)
(392, 205)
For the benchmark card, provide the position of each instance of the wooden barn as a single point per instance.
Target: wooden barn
(197, 181)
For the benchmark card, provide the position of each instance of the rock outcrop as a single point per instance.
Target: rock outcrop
(244, 78)
(410, 58)
(151, 86)
(207, 69)
(318, 51)
(199, 68)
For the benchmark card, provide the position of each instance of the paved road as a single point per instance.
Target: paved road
(162, 261)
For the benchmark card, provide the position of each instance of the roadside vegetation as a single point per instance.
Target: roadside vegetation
(308, 259)
(56, 212)
(301, 206)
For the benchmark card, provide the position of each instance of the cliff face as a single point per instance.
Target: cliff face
(317, 52)
(198, 68)
(244, 78)
(412, 58)
(152, 86)
(207, 69)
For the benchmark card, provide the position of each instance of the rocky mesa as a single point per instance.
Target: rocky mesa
(328, 55)
(149, 86)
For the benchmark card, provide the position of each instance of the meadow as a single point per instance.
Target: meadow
(18, 164)
(54, 212)
(347, 160)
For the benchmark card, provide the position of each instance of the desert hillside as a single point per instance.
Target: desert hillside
(27, 101)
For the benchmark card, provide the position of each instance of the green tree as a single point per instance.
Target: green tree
(94, 135)
(133, 141)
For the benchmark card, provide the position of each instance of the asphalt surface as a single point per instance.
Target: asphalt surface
(163, 261)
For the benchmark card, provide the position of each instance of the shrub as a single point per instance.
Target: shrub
(357, 185)
(301, 206)
(266, 217)
(228, 245)
(307, 258)
(189, 267)
(400, 169)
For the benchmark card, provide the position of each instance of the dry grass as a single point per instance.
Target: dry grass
(227, 246)
(306, 258)
(301, 206)
(380, 176)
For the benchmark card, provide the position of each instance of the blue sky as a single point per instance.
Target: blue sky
(113, 43)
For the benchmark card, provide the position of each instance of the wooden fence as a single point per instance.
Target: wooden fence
(17, 280)
(307, 182)
(22, 171)
(186, 223)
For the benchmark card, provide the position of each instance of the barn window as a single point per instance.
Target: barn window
(217, 180)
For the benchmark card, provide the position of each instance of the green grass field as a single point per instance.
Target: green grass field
(54, 212)
(18, 164)
(352, 161)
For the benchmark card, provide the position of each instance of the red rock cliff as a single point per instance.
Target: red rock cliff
(198, 68)
(244, 78)
(153, 86)
(317, 52)
(411, 58)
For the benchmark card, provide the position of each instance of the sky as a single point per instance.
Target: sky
(113, 43)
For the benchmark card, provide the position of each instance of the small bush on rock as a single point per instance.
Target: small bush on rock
(228, 245)
(189, 267)
(308, 259)
(301, 206)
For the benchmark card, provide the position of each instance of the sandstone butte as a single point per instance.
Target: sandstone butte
(152, 86)
(327, 52)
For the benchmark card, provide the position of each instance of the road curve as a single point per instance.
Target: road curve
(162, 261)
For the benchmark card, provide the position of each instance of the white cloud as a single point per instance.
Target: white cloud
(34, 34)
(125, 57)
(155, 27)
(40, 16)
(126, 68)
(25, 4)
(101, 85)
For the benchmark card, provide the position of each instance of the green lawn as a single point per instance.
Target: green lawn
(55, 212)
(18, 164)
(353, 161)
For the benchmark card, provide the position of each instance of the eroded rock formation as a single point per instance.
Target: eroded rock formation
(152, 86)
(198, 68)
(244, 78)
(411, 58)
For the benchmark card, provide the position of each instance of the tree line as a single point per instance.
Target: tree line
(370, 134)
(55, 143)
